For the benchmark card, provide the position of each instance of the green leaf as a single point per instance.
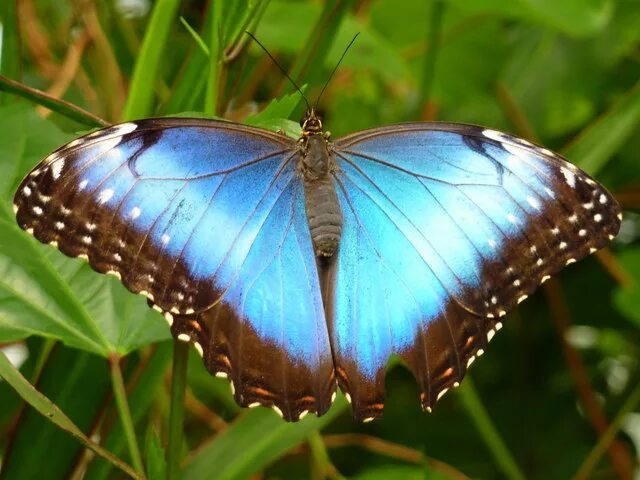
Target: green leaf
(399, 472)
(264, 438)
(572, 17)
(275, 116)
(35, 445)
(150, 59)
(156, 462)
(602, 139)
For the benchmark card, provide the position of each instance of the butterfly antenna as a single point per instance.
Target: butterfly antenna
(280, 67)
(336, 68)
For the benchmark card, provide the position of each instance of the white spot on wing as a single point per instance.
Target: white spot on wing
(165, 239)
(603, 198)
(105, 195)
(198, 348)
(135, 212)
(59, 226)
(221, 374)
(533, 202)
(115, 274)
(569, 176)
(37, 210)
(512, 218)
(277, 410)
(26, 191)
(56, 168)
(183, 337)
(441, 394)
(82, 185)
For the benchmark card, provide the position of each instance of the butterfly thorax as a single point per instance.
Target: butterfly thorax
(321, 200)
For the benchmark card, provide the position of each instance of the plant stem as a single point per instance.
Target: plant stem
(605, 440)
(120, 395)
(216, 47)
(488, 431)
(176, 415)
(62, 107)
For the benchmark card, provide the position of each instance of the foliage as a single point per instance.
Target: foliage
(564, 368)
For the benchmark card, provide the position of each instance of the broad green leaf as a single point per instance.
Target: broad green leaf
(264, 437)
(571, 17)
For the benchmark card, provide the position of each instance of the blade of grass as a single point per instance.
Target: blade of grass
(50, 411)
(62, 107)
(197, 38)
(124, 412)
(10, 41)
(176, 415)
(216, 47)
(141, 92)
(601, 140)
(488, 431)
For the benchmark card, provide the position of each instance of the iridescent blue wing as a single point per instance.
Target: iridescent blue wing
(207, 220)
(446, 228)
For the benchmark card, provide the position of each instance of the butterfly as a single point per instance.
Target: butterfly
(295, 267)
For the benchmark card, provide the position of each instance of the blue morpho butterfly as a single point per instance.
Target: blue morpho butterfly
(297, 266)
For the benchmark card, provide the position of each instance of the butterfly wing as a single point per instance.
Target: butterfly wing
(446, 228)
(207, 220)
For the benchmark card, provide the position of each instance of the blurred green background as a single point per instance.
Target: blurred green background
(557, 394)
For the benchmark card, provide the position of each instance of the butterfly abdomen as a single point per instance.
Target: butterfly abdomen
(323, 214)
(320, 197)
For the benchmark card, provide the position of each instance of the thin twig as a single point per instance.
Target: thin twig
(392, 450)
(63, 107)
(618, 453)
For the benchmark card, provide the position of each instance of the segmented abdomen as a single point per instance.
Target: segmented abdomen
(323, 214)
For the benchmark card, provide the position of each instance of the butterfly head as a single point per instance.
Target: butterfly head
(311, 123)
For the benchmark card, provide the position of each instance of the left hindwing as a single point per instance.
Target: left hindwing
(447, 228)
